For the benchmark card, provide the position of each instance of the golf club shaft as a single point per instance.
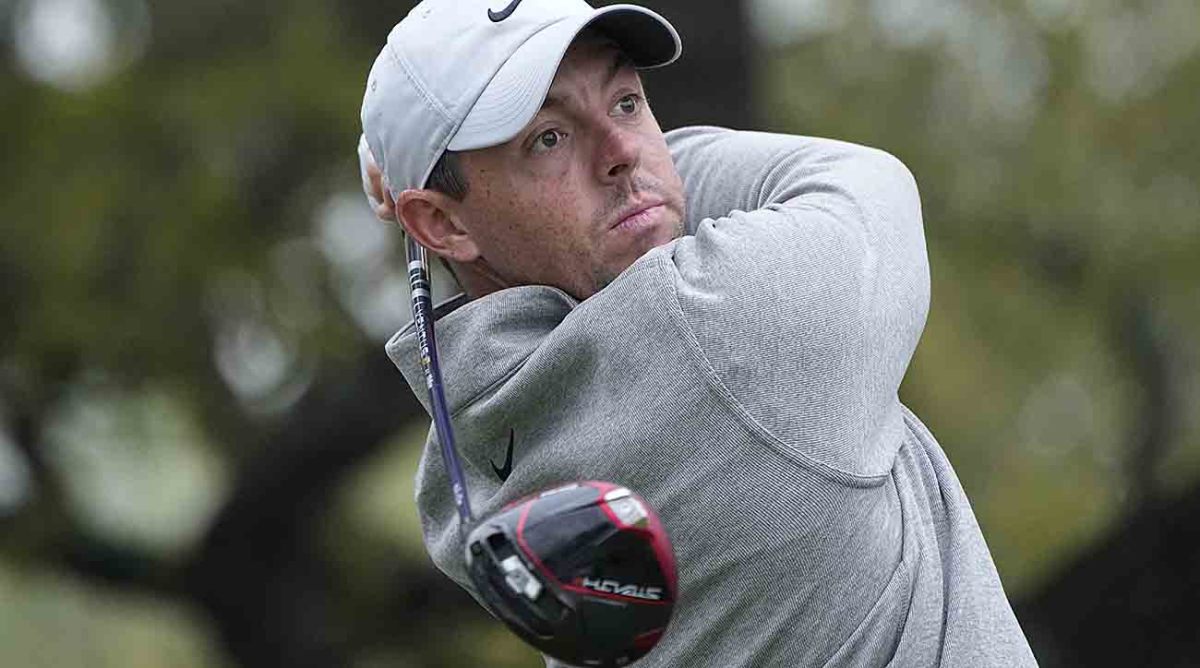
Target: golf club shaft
(422, 308)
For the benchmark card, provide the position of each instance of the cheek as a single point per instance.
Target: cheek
(663, 168)
(559, 218)
(660, 155)
(528, 225)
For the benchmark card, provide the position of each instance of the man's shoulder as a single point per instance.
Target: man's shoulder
(694, 137)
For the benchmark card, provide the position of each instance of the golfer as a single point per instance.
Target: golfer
(719, 320)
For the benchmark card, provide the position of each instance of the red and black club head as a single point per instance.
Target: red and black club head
(583, 572)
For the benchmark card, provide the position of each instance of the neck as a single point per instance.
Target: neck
(477, 279)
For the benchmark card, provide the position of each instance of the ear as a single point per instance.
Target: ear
(432, 219)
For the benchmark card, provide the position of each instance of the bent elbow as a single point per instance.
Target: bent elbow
(901, 231)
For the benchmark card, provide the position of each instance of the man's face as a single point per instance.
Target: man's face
(586, 188)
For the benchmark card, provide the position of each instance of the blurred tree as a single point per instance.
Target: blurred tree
(182, 233)
(1127, 600)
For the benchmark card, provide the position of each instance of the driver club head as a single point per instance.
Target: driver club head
(584, 572)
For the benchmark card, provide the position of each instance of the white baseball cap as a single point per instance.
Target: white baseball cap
(469, 74)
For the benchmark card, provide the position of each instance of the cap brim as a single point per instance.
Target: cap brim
(517, 91)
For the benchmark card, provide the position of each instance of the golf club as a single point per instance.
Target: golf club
(584, 572)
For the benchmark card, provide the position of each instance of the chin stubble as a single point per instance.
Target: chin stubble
(602, 277)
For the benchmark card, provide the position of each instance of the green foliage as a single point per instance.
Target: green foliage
(60, 621)
(1054, 207)
(167, 272)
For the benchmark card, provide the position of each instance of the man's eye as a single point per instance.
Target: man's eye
(627, 105)
(547, 140)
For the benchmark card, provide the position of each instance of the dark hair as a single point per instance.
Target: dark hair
(447, 176)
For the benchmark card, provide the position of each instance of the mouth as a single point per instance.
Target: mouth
(639, 215)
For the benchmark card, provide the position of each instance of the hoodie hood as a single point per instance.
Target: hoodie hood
(481, 342)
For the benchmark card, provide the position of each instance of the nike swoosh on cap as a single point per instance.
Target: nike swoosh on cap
(499, 16)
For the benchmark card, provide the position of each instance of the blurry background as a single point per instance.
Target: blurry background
(206, 459)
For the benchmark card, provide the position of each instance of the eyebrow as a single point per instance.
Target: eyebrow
(620, 62)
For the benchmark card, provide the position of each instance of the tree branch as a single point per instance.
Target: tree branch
(1128, 601)
(257, 572)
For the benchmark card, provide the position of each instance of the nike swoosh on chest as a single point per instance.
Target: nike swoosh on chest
(503, 472)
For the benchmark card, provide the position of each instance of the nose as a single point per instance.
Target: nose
(620, 153)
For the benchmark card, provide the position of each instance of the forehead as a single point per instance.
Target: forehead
(591, 53)
(591, 40)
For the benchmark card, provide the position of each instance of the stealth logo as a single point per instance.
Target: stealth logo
(499, 16)
(630, 590)
(503, 472)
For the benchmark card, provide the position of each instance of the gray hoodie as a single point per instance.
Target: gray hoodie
(743, 378)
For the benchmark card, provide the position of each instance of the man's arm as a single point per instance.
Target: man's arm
(805, 281)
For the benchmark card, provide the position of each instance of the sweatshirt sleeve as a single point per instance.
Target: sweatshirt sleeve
(805, 283)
